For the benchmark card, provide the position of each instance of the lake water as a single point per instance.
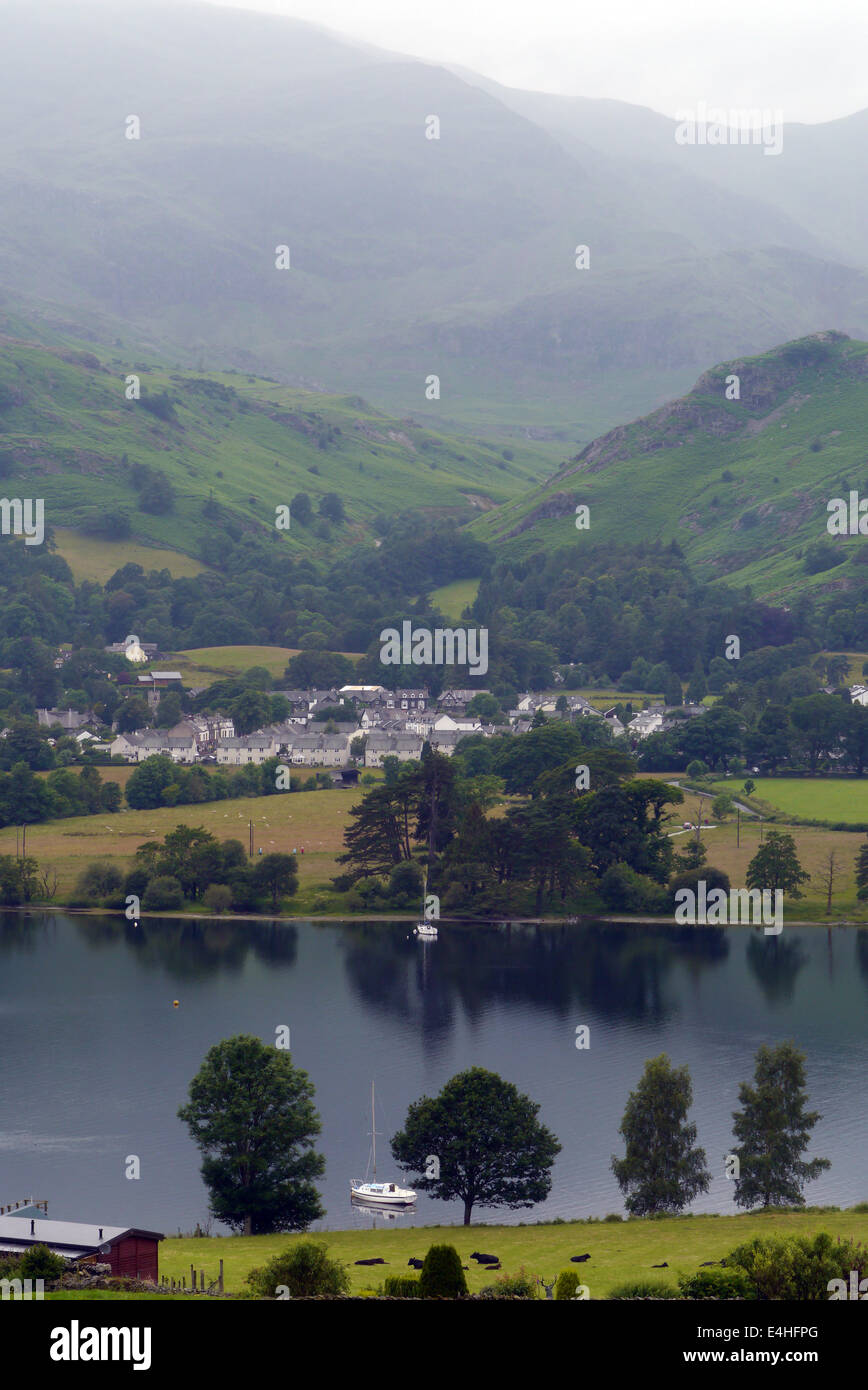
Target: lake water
(95, 1060)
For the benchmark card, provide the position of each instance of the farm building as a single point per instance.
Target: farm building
(129, 1251)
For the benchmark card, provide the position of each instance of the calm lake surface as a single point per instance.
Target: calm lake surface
(95, 1060)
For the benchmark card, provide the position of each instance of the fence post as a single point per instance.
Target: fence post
(220, 1278)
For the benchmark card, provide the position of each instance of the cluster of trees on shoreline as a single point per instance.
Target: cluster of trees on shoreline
(558, 847)
(190, 866)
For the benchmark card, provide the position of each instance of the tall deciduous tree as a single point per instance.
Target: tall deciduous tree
(776, 866)
(662, 1170)
(773, 1129)
(276, 875)
(488, 1144)
(252, 1116)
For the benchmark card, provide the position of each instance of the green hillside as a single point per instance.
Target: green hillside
(69, 436)
(742, 485)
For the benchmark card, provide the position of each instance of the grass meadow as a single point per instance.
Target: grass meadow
(813, 798)
(619, 1250)
(283, 822)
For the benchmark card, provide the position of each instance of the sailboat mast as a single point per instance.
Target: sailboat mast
(373, 1130)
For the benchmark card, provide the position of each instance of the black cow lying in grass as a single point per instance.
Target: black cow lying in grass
(578, 1259)
(377, 1261)
(485, 1259)
(417, 1264)
(665, 1265)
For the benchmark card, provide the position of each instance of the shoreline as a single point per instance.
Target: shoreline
(584, 919)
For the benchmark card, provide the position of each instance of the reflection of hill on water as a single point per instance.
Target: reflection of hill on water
(193, 949)
(619, 971)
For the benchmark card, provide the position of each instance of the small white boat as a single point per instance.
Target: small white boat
(387, 1194)
(379, 1194)
(424, 928)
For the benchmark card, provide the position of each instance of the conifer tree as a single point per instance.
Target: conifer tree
(774, 1129)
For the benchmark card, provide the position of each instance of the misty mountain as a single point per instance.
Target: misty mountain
(410, 257)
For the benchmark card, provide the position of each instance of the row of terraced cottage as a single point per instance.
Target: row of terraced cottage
(391, 723)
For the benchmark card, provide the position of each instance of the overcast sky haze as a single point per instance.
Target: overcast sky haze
(809, 59)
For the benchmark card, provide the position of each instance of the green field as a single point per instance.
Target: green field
(91, 558)
(813, 845)
(619, 1250)
(812, 798)
(452, 599)
(204, 665)
(314, 820)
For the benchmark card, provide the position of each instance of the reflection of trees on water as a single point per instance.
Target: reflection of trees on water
(188, 949)
(618, 971)
(23, 931)
(393, 974)
(775, 962)
(862, 953)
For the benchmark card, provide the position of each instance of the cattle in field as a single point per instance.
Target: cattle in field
(578, 1259)
(377, 1261)
(485, 1259)
(417, 1264)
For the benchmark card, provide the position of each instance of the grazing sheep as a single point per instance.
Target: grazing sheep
(485, 1259)
(377, 1261)
(578, 1259)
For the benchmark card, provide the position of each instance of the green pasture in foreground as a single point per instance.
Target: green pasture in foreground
(619, 1250)
(814, 798)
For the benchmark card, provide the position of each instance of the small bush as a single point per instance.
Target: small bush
(217, 897)
(442, 1275)
(644, 1288)
(519, 1285)
(567, 1285)
(163, 894)
(136, 882)
(716, 1283)
(41, 1263)
(613, 1216)
(795, 1267)
(98, 881)
(402, 1286)
(304, 1269)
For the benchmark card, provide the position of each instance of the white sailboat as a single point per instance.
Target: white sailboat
(424, 929)
(379, 1194)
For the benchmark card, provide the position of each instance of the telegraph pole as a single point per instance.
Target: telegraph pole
(251, 838)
